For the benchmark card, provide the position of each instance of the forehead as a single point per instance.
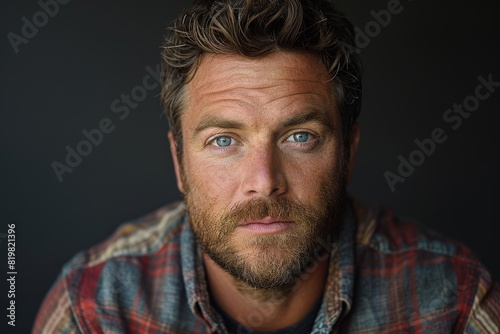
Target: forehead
(281, 65)
(283, 79)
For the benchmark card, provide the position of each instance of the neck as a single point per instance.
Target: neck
(267, 309)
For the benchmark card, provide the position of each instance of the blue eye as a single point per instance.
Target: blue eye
(223, 141)
(300, 137)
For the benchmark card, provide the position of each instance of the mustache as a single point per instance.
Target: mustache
(257, 208)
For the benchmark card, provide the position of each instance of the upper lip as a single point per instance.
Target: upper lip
(265, 220)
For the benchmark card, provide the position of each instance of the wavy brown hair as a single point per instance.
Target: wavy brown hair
(255, 28)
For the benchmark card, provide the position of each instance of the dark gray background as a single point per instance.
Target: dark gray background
(65, 78)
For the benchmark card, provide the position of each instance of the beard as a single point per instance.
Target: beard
(267, 261)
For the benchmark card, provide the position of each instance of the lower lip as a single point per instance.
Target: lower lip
(267, 228)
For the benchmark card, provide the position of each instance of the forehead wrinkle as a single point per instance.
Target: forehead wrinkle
(209, 88)
(235, 81)
(299, 97)
(254, 96)
(252, 68)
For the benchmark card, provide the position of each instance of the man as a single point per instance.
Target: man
(262, 99)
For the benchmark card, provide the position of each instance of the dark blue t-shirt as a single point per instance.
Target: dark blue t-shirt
(304, 326)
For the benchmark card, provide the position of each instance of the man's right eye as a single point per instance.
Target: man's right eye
(223, 141)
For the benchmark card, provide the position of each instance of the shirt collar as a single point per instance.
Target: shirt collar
(337, 299)
(194, 279)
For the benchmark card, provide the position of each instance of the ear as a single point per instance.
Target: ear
(177, 168)
(353, 148)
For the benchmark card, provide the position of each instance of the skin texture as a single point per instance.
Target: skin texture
(262, 143)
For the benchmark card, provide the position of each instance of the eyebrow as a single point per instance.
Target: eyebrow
(307, 116)
(215, 122)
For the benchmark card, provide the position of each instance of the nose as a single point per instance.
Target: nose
(262, 173)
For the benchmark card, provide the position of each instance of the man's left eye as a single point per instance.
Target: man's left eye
(300, 137)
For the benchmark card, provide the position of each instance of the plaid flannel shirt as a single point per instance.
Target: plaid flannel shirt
(387, 276)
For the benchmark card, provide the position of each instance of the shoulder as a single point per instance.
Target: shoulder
(140, 252)
(110, 278)
(402, 261)
(380, 230)
(140, 237)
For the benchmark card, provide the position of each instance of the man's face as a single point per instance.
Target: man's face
(262, 167)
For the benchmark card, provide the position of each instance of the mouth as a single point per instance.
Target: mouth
(267, 225)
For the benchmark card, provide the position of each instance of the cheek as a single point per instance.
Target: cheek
(210, 177)
(313, 166)
(307, 177)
